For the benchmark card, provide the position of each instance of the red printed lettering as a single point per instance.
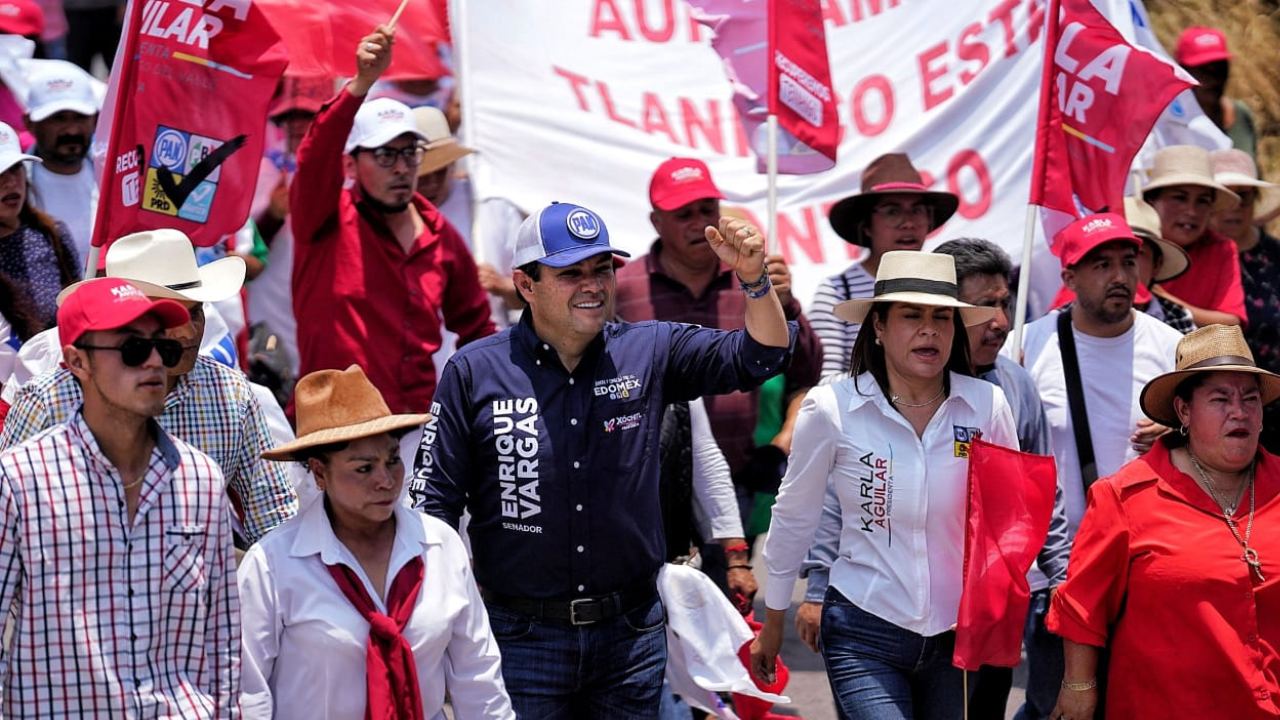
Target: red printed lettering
(973, 50)
(971, 160)
(867, 124)
(929, 73)
(606, 18)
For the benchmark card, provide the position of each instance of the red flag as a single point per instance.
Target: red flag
(321, 35)
(190, 94)
(1099, 98)
(1010, 503)
(775, 55)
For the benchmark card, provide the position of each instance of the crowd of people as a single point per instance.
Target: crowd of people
(338, 451)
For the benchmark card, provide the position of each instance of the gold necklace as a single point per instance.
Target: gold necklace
(134, 484)
(895, 399)
(1250, 556)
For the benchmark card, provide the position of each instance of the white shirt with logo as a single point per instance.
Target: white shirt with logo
(902, 498)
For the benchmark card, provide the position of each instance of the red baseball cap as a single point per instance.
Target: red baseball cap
(21, 17)
(1076, 240)
(680, 181)
(1201, 46)
(110, 303)
(300, 94)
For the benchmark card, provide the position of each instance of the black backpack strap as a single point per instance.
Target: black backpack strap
(1075, 399)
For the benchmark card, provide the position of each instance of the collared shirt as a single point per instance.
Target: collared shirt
(645, 292)
(902, 497)
(358, 297)
(1213, 280)
(1033, 437)
(304, 642)
(560, 469)
(211, 407)
(1157, 577)
(117, 619)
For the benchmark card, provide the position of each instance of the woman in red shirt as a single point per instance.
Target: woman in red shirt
(1184, 193)
(1176, 566)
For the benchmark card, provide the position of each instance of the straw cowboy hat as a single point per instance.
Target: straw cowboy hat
(1145, 223)
(1188, 165)
(442, 147)
(1235, 168)
(891, 174)
(1212, 348)
(162, 263)
(919, 278)
(335, 406)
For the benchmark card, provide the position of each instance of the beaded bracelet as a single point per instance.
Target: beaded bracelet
(758, 289)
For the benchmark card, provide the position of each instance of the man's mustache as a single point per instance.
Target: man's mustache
(72, 139)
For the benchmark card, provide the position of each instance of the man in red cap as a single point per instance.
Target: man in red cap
(117, 536)
(1090, 363)
(682, 280)
(1202, 51)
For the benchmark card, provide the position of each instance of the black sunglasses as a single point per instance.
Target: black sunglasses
(135, 350)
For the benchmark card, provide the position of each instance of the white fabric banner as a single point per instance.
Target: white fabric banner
(580, 101)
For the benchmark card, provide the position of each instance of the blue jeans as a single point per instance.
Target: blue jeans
(879, 671)
(609, 669)
(1044, 661)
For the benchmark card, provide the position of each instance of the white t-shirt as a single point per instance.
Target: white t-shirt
(271, 293)
(1113, 370)
(73, 199)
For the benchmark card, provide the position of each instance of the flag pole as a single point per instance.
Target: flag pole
(1024, 280)
(772, 166)
(966, 694)
(396, 17)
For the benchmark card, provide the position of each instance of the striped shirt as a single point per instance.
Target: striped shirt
(211, 407)
(837, 335)
(113, 620)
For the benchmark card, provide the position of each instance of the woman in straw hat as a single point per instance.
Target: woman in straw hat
(1176, 566)
(892, 439)
(358, 585)
(894, 211)
(1185, 195)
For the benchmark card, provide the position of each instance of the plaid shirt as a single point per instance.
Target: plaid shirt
(211, 407)
(114, 621)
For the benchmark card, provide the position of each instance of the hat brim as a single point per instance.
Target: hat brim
(441, 156)
(855, 311)
(1157, 395)
(675, 201)
(1223, 199)
(1267, 206)
(8, 161)
(565, 258)
(848, 215)
(346, 433)
(47, 110)
(1174, 261)
(219, 280)
(378, 139)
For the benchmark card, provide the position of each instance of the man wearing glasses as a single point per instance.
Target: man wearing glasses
(117, 555)
(376, 266)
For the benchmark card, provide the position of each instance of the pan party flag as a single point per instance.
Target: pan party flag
(190, 90)
(1010, 502)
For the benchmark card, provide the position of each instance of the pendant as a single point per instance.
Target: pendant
(1251, 559)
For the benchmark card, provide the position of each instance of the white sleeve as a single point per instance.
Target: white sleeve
(37, 355)
(281, 433)
(799, 507)
(493, 234)
(1004, 431)
(9, 346)
(472, 664)
(713, 495)
(260, 634)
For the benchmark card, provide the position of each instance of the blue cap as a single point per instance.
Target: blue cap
(560, 235)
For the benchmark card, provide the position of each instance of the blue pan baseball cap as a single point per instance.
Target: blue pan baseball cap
(560, 235)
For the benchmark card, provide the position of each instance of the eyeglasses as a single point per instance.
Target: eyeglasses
(386, 157)
(135, 350)
(897, 214)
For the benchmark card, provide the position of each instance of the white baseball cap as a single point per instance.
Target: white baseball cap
(58, 85)
(10, 150)
(380, 121)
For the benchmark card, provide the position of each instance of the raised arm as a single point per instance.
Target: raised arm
(740, 245)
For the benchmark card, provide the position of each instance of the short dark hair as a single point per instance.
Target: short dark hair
(534, 271)
(975, 256)
(868, 356)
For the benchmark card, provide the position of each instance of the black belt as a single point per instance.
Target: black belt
(579, 611)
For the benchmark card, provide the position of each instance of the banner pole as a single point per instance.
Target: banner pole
(396, 17)
(1024, 281)
(772, 166)
(965, 689)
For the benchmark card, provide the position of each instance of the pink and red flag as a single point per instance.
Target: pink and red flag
(1099, 98)
(1010, 503)
(775, 55)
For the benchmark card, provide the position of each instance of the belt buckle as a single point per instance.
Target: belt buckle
(573, 611)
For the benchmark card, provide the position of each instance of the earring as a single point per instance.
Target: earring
(878, 341)
(1182, 430)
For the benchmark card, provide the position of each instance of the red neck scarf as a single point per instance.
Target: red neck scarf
(391, 675)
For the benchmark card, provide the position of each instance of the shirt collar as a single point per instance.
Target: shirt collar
(182, 390)
(526, 338)
(315, 537)
(866, 390)
(82, 434)
(1167, 476)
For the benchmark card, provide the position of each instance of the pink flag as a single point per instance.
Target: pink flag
(775, 55)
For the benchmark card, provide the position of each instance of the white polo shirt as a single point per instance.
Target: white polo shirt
(902, 498)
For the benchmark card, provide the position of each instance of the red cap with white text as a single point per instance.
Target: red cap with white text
(1079, 238)
(110, 303)
(680, 181)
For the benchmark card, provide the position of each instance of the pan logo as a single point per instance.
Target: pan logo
(583, 224)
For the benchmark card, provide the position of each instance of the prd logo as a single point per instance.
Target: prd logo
(583, 224)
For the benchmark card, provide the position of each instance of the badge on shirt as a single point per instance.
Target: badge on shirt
(964, 437)
(619, 388)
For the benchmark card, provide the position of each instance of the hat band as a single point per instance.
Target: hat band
(1220, 361)
(185, 286)
(905, 285)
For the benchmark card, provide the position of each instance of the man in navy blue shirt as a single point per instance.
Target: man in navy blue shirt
(548, 434)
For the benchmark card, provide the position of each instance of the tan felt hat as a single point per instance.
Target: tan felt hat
(918, 278)
(1212, 348)
(442, 147)
(1188, 165)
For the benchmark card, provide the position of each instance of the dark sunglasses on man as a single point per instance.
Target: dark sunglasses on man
(386, 156)
(135, 350)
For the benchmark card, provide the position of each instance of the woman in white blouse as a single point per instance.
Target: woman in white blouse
(892, 438)
(360, 607)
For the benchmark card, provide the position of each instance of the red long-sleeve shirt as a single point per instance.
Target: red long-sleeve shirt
(357, 295)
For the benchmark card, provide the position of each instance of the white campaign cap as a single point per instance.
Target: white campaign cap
(380, 121)
(58, 85)
(10, 151)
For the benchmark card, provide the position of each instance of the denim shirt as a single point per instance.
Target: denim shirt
(559, 469)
